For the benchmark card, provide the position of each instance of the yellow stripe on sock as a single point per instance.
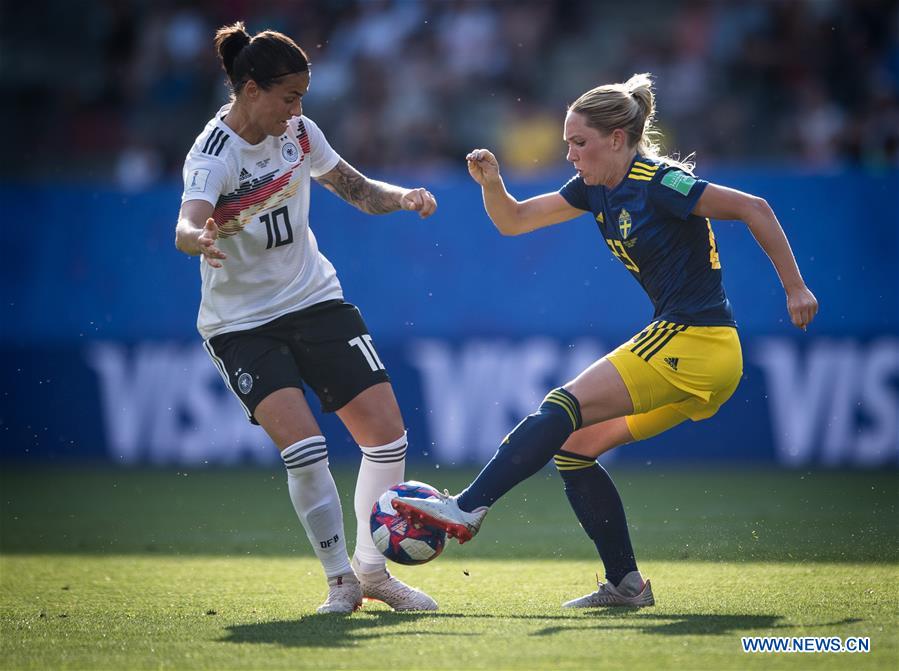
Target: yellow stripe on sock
(572, 460)
(573, 468)
(569, 461)
(569, 404)
(566, 408)
(561, 397)
(573, 465)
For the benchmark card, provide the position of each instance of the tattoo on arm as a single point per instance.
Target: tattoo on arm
(355, 188)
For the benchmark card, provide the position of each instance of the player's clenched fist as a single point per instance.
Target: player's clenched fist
(802, 306)
(483, 167)
(419, 200)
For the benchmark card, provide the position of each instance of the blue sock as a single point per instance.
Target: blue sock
(526, 450)
(596, 502)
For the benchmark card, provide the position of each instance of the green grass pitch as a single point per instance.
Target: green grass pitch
(107, 569)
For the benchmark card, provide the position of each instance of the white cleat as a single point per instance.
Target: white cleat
(442, 511)
(382, 586)
(344, 595)
(632, 591)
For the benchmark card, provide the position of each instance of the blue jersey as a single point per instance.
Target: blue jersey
(648, 224)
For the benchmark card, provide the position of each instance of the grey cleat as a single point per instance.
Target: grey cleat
(382, 586)
(632, 591)
(344, 595)
(442, 511)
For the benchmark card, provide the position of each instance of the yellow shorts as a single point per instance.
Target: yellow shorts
(675, 372)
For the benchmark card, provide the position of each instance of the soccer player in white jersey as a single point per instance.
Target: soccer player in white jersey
(272, 313)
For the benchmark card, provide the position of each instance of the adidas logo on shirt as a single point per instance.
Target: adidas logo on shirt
(244, 175)
(671, 361)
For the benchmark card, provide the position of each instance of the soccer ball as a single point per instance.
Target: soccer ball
(397, 539)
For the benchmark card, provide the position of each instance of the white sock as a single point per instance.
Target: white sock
(314, 497)
(381, 468)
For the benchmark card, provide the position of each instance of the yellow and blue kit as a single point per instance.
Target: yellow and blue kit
(687, 361)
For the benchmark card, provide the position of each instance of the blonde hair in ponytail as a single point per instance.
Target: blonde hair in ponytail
(631, 107)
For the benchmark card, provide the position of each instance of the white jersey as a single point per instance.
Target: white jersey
(261, 197)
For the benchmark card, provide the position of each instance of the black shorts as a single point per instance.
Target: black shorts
(327, 346)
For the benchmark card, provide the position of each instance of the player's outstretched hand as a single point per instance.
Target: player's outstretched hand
(206, 241)
(419, 200)
(483, 167)
(802, 306)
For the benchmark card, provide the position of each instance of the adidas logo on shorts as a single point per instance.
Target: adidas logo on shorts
(671, 361)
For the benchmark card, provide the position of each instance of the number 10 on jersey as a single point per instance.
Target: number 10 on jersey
(273, 228)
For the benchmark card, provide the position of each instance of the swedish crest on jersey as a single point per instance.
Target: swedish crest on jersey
(625, 223)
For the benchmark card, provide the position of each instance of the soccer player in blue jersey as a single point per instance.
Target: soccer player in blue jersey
(654, 215)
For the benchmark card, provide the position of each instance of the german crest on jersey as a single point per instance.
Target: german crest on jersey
(245, 383)
(290, 152)
(624, 223)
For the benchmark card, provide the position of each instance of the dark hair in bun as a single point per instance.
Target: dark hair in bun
(263, 58)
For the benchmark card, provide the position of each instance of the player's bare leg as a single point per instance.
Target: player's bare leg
(601, 393)
(373, 417)
(596, 440)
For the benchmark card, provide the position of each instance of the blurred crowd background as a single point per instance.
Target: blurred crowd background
(793, 100)
(117, 91)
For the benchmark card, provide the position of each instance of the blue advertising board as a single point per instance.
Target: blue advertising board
(102, 360)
